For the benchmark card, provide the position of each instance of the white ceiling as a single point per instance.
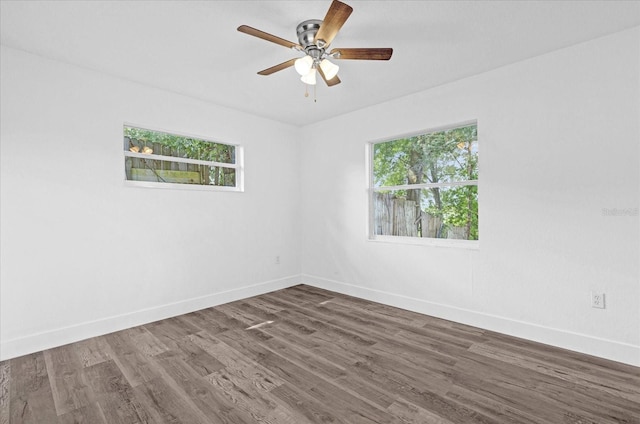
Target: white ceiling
(193, 48)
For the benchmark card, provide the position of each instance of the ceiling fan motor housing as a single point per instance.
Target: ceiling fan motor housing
(307, 31)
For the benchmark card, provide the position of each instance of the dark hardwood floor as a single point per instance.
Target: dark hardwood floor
(305, 355)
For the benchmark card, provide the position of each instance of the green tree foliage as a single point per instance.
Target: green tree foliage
(184, 146)
(440, 157)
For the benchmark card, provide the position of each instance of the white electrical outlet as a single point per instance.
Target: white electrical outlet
(597, 300)
(278, 260)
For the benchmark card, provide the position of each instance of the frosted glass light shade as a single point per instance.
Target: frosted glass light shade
(310, 78)
(303, 65)
(329, 69)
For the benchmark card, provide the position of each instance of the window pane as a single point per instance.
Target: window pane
(159, 143)
(438, 157)
(441, 212)
(162, 171)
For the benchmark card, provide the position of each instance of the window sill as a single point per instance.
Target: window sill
(173, 186)
(418, 241)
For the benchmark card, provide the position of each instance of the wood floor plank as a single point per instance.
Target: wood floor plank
(311, 409)
(596, 405)
(303, 357)
(409, 413)
(146, 342)
(170, 332)
(243, 316)
(69, 388)
(344, 329)
(444, 406)
(419, 341)
(281, 318)
(315, 386)
(90, 414)
(166, 405)
(92, 351)
(136, 366)
(259, 406)
(368, 322)
(297, 321)
(5, 383)
(306, 355)
(419, 370)
(414, 356)
(380, 396)
(500, 411)
(196, 357)
(259, 312)
(524, 391)
(217, 405)
(260, 303)
(570, 364)
(313, 361)
(202, 321)
(269, 360)
(115, 395)
(624, 392)
(324, 341)
(245, 381)
(407, 383)
(238, 364)
(308, 294)
(31, 399)
(221, 320)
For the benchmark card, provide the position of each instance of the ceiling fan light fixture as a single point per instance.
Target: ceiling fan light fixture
(329, 69)
(314, 38)
(310, 77)
(304, 65)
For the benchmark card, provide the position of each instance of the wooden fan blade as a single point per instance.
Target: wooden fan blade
(336, 17)
(363, 54)
(280, 67)
(266, 36)
(333, 81)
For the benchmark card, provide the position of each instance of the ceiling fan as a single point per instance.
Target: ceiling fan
(314, 38)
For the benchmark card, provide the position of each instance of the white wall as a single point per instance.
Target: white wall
(82, 254)
(559, 141)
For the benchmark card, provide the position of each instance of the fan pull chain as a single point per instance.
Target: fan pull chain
(306, 92)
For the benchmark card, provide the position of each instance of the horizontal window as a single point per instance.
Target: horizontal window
(425, 186)
(160, 158)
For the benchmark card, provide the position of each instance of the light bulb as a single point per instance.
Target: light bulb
(329, 69)
(303, 65)
(310, 78)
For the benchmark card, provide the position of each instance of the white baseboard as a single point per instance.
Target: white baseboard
(608, 349)
(61, 336)
(583, 343)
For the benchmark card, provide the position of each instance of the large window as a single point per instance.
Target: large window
(426, 186)
(155, 158)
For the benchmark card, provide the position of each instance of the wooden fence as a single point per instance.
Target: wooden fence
(138, 169)
(397, 216)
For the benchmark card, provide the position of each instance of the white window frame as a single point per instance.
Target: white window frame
(422, 241)
(238, 165)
